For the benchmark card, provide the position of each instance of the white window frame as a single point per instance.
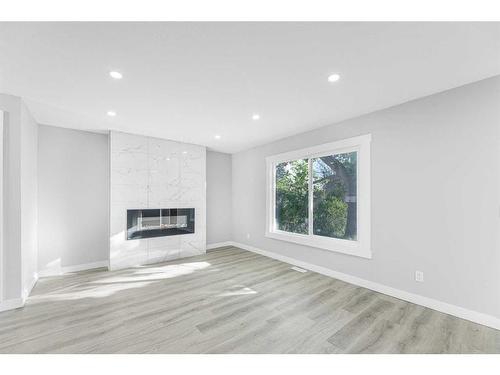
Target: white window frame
(361, 246)
(2, 277)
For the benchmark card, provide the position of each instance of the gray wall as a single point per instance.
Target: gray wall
(219, 193)
(11, 267)
(19, 239)
(29, 199)
(435, 196)
(73, 198)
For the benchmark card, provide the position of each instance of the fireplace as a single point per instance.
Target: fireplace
(159, 222)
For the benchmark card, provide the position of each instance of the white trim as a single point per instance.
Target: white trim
(1, 205)
(69, 269)
(86, 266)
(460, 312)
(325, 243)
(320, 150)
(11, 304)
(27, 291)
(310, 203)
(362, 246)
(219, 244)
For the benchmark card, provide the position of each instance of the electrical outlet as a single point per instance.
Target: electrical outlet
(419, 276)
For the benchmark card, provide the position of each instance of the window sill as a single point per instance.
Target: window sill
(354, 248)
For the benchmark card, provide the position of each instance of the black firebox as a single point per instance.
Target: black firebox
(159, 222)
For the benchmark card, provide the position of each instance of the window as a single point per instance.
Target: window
(320, 196)
(292, 196)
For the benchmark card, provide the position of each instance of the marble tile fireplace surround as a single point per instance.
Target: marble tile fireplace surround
(151, 177)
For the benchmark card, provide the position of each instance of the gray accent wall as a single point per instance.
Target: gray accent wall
(73, 198)
(435, 196)
(219, 194)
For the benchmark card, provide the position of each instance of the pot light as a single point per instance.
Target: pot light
(184, 152)
(111, 113)
(217, 136)
(333, 77)
(116, 75)
(255, 117)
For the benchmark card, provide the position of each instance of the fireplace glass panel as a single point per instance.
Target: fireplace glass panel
(159, 222)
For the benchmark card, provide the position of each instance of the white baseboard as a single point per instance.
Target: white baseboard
(16, 303)
(27, 291)
(10, 304)
(69, 269)
(219, 244)
(460, 312)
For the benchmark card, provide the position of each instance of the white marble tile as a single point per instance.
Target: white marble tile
(124, 143)
(161, 249)
(155, 173)
(124, 253)
(130, 196)
(191, 247)
(164, 147)
(163, 193)
(129, 169)
(123, 258)
(166, 242)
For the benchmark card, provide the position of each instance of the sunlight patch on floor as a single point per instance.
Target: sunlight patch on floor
(156, 273)
(238, 290)
(133, 279)
(97, 292)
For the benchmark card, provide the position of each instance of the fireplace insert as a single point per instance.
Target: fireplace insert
(158, 222)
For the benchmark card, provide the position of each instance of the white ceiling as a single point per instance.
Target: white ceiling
(191, 81)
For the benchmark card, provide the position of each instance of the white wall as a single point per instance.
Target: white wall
(19, 202)
(219, 193)
(73, 198)
(435, 197)
(29, 200)
(155, 173)
(2, 272)
(12, 288)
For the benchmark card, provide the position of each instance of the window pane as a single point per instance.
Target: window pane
(335, 196)
(292, 185)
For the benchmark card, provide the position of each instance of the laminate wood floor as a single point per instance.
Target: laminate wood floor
(227, 301)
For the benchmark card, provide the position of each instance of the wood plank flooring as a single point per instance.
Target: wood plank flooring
(227, 301)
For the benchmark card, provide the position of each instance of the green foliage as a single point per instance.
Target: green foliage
(292, 196)
(334, 178)
(332, 182)
(330, 216)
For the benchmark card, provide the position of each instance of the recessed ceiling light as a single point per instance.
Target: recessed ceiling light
(116, 75)
(184, 152)
(111, 113)
(333, 77)
(255, 117)
(217, 136)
